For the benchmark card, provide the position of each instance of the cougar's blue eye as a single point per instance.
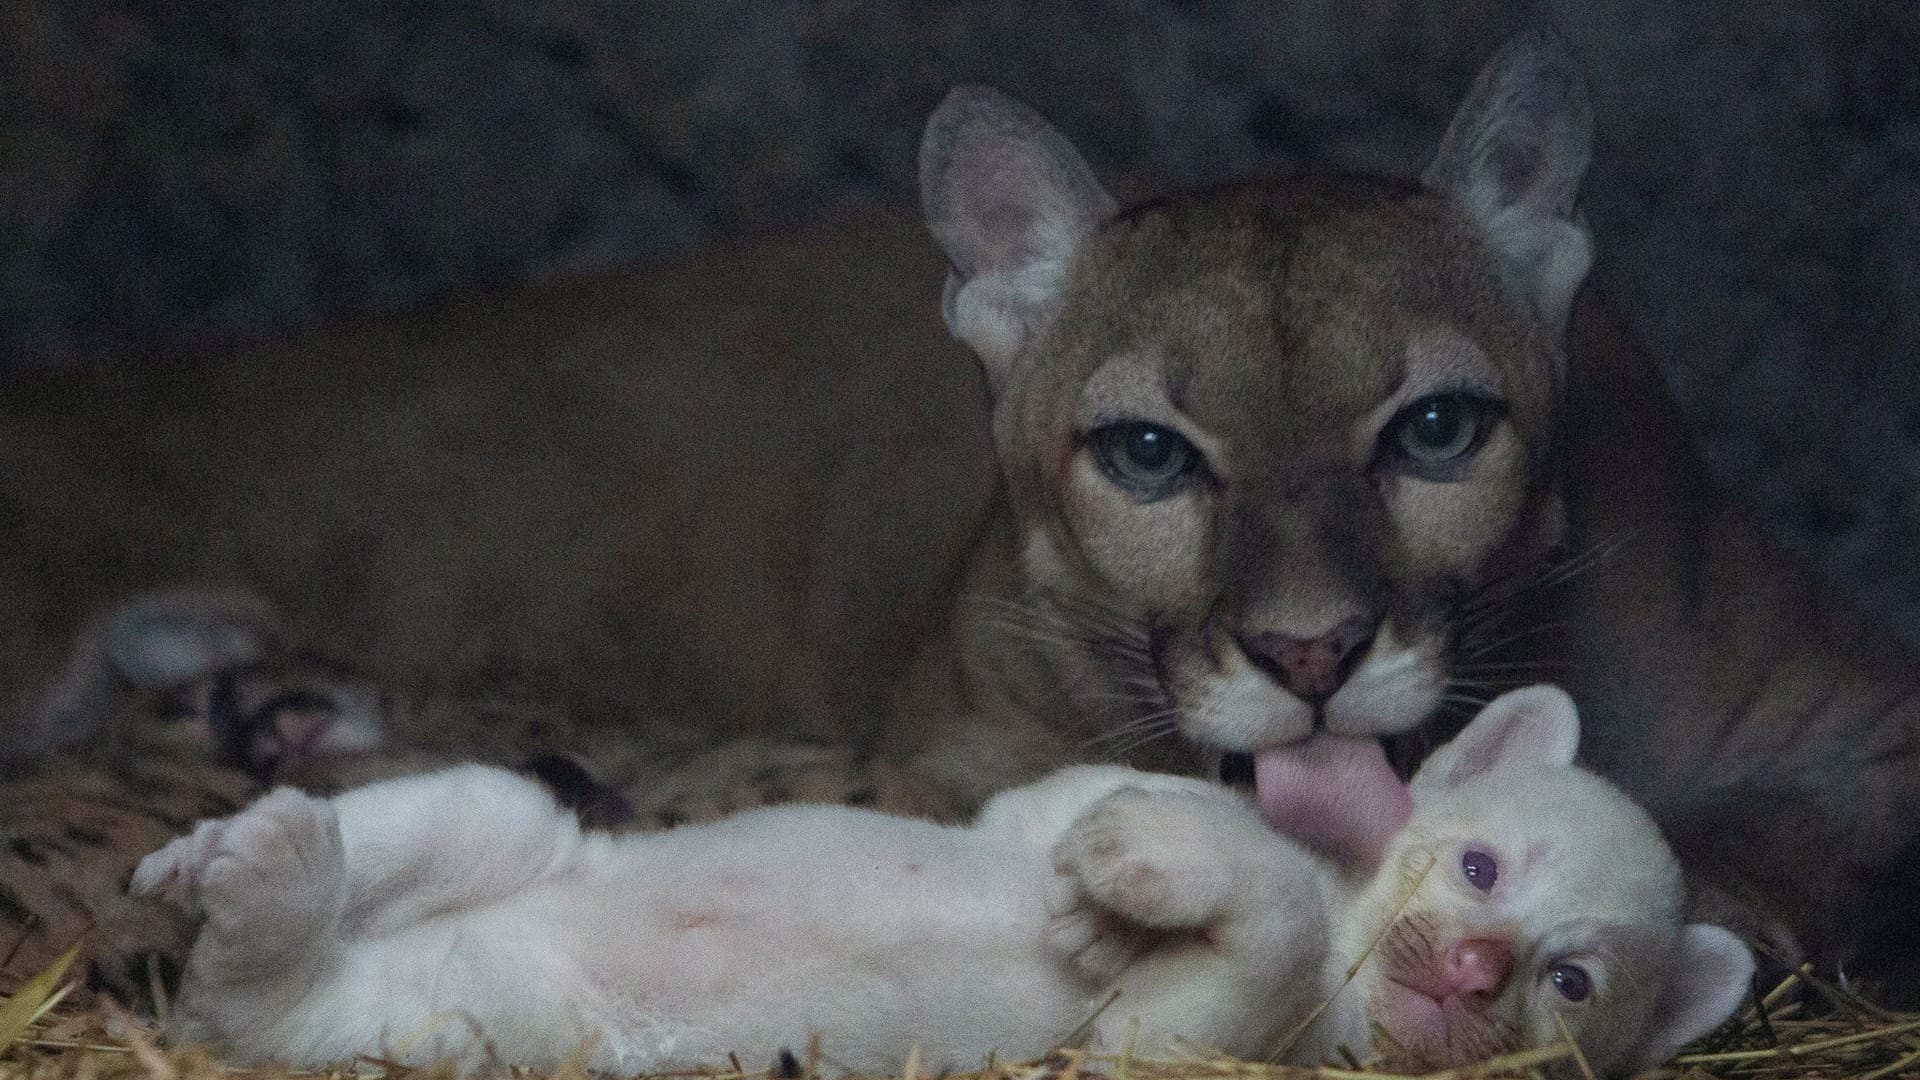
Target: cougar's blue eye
(1147, 461)
(1435, 437)
(1480, 868)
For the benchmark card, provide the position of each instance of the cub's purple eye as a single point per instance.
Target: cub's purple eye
(1480, 868)
(1572, 981)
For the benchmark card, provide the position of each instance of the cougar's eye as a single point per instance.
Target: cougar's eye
(1571, 980)
(1147, 461)
(1479, 868)
(1436, 436)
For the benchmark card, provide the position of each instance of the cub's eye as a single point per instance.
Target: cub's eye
(1436, 436)
(1480, 869)
(1572, 981)
(1147, 461)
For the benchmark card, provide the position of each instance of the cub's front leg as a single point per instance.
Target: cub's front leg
(1211, 927)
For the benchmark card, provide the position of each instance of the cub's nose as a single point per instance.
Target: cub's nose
(1477, 968)
(1313, 668)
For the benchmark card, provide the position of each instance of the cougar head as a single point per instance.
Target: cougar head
(1281, 437)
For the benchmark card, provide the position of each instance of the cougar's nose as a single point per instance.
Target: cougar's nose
(1477, 968)
(1313, 668)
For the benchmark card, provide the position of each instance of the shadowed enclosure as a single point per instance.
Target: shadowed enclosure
(174, 175)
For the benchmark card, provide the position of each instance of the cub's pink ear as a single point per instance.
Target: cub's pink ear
(1706, 982)
(1009, 200)
(1535, 725)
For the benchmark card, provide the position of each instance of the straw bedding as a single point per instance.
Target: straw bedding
(1805, 1027)
(129, 799)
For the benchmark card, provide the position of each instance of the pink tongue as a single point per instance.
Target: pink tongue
(1333, 793)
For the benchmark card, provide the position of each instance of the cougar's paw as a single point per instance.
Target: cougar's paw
(1145, 856)
(277, 718)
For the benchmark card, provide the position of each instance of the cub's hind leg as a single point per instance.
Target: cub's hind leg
(376, 859)
(270, 882)
(305, 901)
(424, 846)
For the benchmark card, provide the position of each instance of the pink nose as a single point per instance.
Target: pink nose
(1313, 668)
(1478, 967)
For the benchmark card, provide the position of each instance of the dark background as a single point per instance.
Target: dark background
(175, 174)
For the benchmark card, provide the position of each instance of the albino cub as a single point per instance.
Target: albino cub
(442, 915)
(1521, 887)
(413, 917)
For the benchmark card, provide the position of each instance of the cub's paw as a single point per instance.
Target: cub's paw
(267, 879)
(1147, 857)
(1138, 867)
(1096, 942)
(172, 874)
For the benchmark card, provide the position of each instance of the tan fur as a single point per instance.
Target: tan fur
(753, 495)
(710, 495)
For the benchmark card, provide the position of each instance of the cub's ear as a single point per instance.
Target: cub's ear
(1513, 157)
(1705, 984)
(1009, 200)
(1533, 725)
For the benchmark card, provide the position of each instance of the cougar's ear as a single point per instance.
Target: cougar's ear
(1009, 200)
(1535, 725)
(1513, 157)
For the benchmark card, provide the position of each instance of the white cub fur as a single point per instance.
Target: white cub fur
(401, 918)
(408, 918)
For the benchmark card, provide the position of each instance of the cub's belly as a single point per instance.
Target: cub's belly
(875, 934)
